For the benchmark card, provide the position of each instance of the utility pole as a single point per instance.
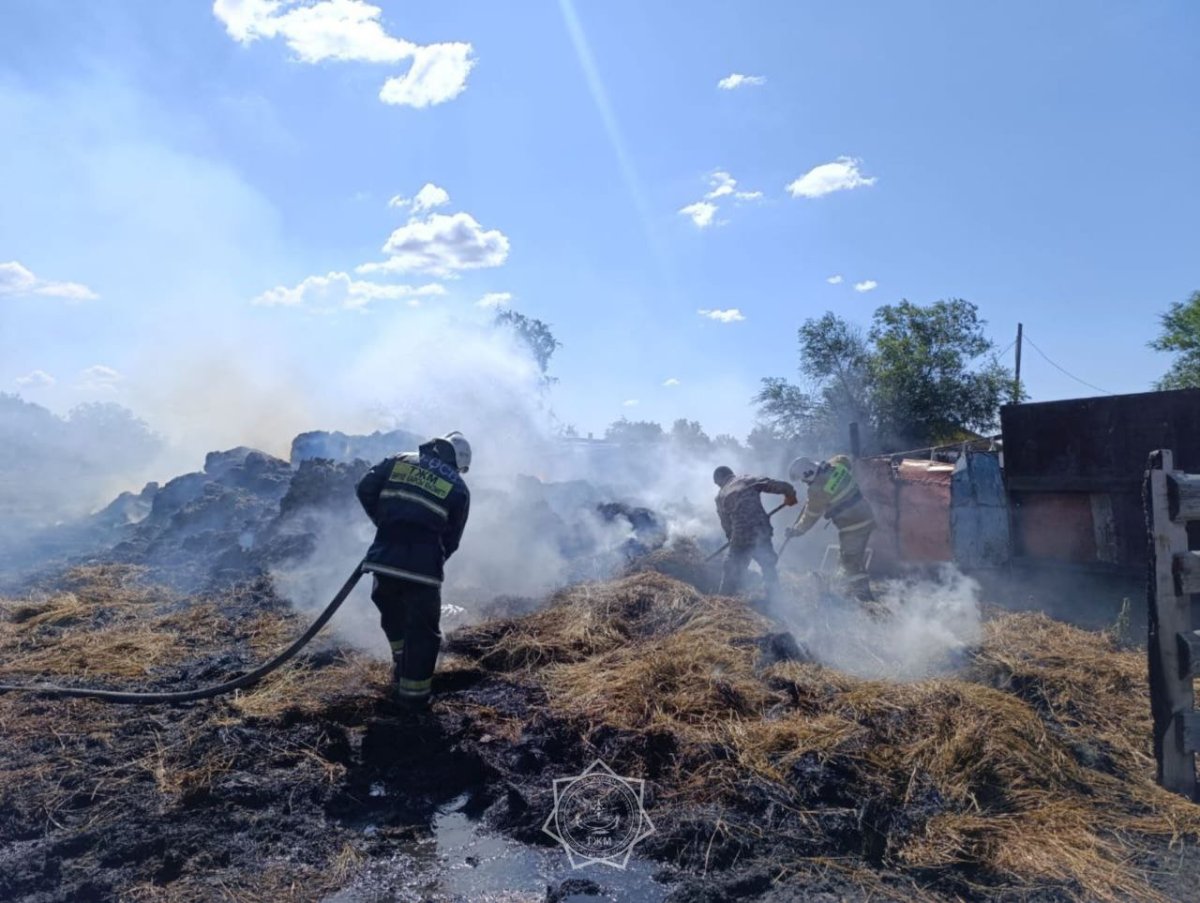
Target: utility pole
(1017, 381)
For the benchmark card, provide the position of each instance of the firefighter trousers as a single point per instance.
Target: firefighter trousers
(410, 614)
(852, 549)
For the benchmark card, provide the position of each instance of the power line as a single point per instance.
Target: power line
(1061, 370)
(990, 351)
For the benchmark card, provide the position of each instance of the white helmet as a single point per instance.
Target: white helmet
(462, 450)
(803, 469)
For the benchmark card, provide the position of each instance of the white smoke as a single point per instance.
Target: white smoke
(431, 373)
(929, 626)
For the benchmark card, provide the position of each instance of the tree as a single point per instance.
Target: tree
(923, 389)
(690, 436)
(786, 410)
(724, 442)
(908, 382)
(1181, 334)
(107, 432)
(634, 432)
(536, 336)
(835, 356)
(767, 443)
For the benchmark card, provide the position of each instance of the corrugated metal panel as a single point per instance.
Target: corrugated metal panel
(925, 520)
(912, 508)
(979, 520)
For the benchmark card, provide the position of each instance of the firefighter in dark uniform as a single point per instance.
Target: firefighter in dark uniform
(419, 504)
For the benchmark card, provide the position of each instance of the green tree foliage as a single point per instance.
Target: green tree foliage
(769, 444)
(724, 442)
(910, 381)
(923, 388)
(1181, 335)
(634, 432)
(689, 436)
(535, 334)
(787, 411)
(836, 358)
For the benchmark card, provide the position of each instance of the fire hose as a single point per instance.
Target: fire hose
(239, 683)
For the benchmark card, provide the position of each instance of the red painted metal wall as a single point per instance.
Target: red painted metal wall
(912, 509)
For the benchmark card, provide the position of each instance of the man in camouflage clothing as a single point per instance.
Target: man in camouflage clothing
(834, 495)
(747, 526)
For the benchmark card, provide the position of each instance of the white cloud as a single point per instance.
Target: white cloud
(701, 212)
(733, 315)
(440, 245)
(840, 175)
(350, 30)
(430, 196)
(100, 378)
(38, 379)
(737, 80)
(427, 198)
(671, 382)
(16, 280)
(330, 29)
(495, 299)
(835, 280)
(722, 184)
(866, 285)
(438, 73)
(630, 403)
(338, 290)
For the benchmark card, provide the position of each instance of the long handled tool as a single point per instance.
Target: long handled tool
(788, 538)
(800, 515)
(770, 514)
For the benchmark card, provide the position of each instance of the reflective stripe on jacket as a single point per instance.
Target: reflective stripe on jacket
(834, 494)
(419, 505)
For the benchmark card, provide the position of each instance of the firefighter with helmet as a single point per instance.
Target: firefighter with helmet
(419, 505)
(834, 495)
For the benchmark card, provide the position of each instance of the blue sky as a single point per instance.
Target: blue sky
(164, 166)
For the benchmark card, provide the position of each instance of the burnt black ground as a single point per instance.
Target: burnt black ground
(205, 802)
(197, 801)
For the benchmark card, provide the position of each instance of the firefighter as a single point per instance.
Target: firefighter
(419, 504)
(834, 495)
(747, 527)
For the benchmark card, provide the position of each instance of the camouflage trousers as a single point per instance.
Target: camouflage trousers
(737, 562)
(852, 548)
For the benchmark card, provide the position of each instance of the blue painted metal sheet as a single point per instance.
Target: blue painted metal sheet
(979, 525)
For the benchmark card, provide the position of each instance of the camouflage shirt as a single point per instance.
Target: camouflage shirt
(742, 515)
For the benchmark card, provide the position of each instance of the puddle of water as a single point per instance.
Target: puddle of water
(463, 862)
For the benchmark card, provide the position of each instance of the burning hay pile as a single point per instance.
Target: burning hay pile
(1028, 772)
(1025, 776)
